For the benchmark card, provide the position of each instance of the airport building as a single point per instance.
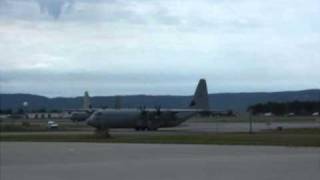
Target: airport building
(46, 115)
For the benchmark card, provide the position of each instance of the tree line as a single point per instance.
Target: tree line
(286, 108)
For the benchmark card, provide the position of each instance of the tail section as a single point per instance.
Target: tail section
(86, 101)
(200, 98)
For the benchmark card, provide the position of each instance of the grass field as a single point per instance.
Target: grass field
(290, 137)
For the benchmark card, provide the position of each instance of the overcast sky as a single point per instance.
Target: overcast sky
(109, 47)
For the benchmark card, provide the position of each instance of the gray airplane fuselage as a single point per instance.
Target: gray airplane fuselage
(136, 118)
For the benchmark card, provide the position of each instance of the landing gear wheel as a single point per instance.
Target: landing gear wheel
(137, 128)
(152, 126)
(102, 133)
(152, 129)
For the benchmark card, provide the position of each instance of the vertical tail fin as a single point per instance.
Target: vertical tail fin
(86, 101)
(200, 98)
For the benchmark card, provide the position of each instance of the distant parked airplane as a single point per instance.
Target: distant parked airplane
(151, 118)
(83, 113)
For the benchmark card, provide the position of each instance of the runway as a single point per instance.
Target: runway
(223, 127)
(59, 161)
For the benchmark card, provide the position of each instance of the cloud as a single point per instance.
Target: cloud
(55, 7)
(157, 47)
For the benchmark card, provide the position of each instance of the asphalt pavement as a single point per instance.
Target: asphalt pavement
(59, 161)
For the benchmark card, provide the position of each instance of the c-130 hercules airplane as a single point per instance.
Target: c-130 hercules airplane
(151, 118)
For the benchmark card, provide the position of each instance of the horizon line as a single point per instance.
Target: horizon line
(240, 92)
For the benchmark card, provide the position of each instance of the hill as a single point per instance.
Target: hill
(238, 102)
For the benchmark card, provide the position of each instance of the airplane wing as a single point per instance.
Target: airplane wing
(208, 112)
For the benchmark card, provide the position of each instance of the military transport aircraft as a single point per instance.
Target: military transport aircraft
(83, 113)
(151, 118)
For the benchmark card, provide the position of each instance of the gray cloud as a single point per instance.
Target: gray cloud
(132, 12)
(55, 7)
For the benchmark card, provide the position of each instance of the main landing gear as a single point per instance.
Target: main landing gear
(102, 133)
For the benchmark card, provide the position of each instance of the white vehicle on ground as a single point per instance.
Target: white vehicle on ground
(52, 125)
